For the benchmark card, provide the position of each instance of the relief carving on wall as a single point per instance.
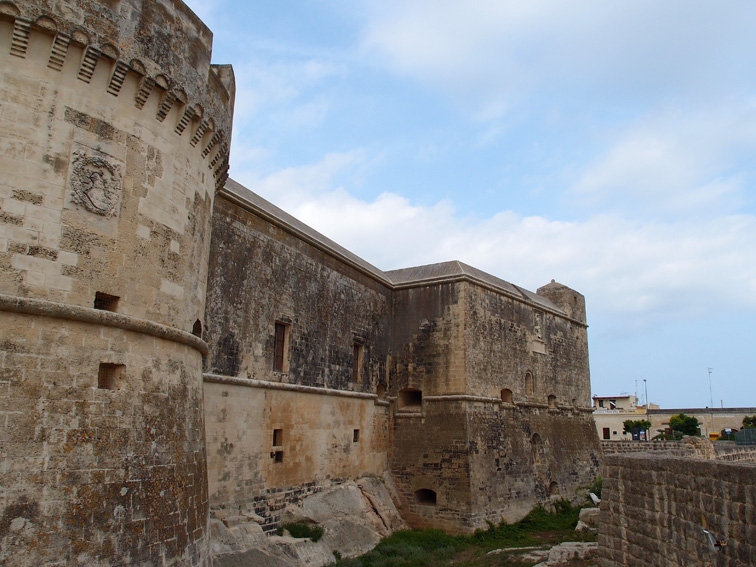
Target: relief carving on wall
(96, 183)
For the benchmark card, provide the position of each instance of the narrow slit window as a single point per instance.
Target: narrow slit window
(356, 436)
(281, 348)
(106, 302)
(197, 328)
(357, 362)
(277, 437)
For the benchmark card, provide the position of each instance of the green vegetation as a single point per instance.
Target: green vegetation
(595, 487)
(302, 530)
(685, 424)
(749, 422)
(634, 426)
(431, 548)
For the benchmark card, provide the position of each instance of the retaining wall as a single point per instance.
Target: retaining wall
(655, 507)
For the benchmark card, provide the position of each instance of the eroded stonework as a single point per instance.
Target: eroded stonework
(95, 183)
(173, 347)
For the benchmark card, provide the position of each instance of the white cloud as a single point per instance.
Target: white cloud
(499, 51)
(671, 162)
(642, 271)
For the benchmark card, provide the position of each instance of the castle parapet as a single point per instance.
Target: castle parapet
(164, 45)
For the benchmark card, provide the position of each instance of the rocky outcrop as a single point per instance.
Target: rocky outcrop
(354, 517)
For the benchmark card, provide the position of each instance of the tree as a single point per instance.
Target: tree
(635, 426)
(685, 424)
(749, 422)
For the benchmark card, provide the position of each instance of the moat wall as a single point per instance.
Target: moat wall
(655, 507)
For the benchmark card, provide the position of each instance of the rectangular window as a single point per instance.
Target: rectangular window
(106, 302)
(607, 435)
(277, 437)
(281, 349)
(356, 436)
(601, 403)
(278, 457)
(357, 362)
(110, 376)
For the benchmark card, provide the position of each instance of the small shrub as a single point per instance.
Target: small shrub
(596, 486)
(302, 530)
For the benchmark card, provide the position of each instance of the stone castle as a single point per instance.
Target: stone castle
(173, 346)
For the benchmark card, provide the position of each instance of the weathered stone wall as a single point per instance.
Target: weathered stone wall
(676, 448)
(504, 421)
(317, 445)
(99, 476)
(524, 456)
(654, 509)
(114, 132)
(262, 272)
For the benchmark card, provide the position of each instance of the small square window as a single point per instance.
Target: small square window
(356, 436)
(109, 376)
(106, 302)
(278, 457)
(277, 437)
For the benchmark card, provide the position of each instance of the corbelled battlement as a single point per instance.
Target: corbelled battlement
(162, 44)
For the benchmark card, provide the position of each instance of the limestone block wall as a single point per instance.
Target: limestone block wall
(501, 418)
(263, 272)
(277, 433)
(540, 356)
(270, 445)
(654, 509)
(431, 452)
(114, 132)
(524, 456)
(428, 340)
(93, 475)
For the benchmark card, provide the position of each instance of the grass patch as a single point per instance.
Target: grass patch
(302, 530)
(430, 548)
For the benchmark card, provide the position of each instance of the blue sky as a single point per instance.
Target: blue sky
(606, 144)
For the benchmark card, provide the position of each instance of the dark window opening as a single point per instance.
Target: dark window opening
(607, 433)
(529, 384)
(280, 358)
(278, 457)
(277, 437)
(506, 396)
(106, 302)
(357, 362)
(537, 448)
(109, 376)
(356, 436)
(554, 489)
(410, 399)
(552, 401)
(381, 391)
(601, 403)
(197, 328)
(425, 496)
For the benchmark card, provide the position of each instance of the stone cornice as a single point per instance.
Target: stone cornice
(44, 308)
(268, 385)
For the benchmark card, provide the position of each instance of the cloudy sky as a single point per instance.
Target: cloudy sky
(607, 145)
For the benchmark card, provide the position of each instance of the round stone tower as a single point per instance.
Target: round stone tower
(114, 133)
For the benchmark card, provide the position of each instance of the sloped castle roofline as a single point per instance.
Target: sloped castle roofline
(405, 278)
